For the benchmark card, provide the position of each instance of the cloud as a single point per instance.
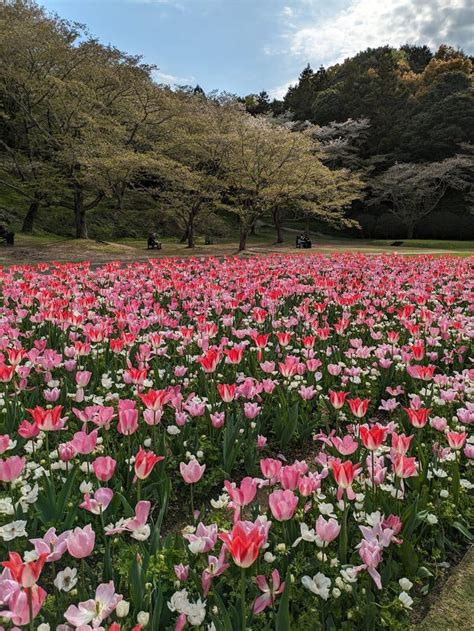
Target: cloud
(279, 91)
(175, 4)
(371, 23)
(287, 12)
(171, 79)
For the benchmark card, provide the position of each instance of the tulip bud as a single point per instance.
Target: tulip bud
(122, 609)
(142, 618)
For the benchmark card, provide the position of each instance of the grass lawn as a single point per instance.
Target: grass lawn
(43, 248)
(453, 608)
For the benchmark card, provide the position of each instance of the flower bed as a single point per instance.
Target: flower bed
(271, 443)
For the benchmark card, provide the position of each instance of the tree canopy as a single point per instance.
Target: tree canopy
(83, 125)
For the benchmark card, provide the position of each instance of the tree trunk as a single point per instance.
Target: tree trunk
(184, 236)
(243, 237)
(277, 224)
(120, 196)
(410, 230)
(80, 214)
(253, 228)
(29, 219)
(191, 230)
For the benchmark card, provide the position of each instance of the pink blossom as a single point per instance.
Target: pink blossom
(94, 610)
(80, 542)
(192, 472)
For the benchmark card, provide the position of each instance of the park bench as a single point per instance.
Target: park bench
(302, 241)
(152, 243)
(7, 237)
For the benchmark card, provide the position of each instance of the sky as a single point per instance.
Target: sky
(245, 46)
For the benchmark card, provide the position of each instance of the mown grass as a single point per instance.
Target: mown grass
(453, 609)
(50, 247)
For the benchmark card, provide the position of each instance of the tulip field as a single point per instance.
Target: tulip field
(230, 444)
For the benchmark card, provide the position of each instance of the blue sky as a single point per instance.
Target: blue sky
(245, 46)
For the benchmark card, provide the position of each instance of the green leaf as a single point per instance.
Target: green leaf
(222, 620)
(282, 622)
(408, 557)
(463, 530)
(137, 583)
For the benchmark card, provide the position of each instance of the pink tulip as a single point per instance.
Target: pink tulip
(85, 443)
(203, 540)
(99, 502)
(217, 419)
(82, 378)
(19, 602)
(134, 524)
(358, 406)
(400, 443)
(216, 566)
(345, 446)
(371, 555)
(181, 572)
(96, 609)
(469, 451)
(307, 485)
(404, 467)
(327, 530)
(226, 391)
(11, 468)
(81, 542)
(104, 468)
(283, 504)
(4, 443)
(66, 452)
(128, 421)
(51, 544)
(261, 441)
(289, 477)
(145, 462)
(270, 592)
(243, 495)
(251, 410)
(270, 468)
(456, 440)
(192, 472)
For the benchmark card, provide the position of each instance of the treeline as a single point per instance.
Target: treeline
(399, 117)
(82, 122)
(84, 128)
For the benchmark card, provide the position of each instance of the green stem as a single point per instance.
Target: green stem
(242, 597)
(343, 540)
(30, 608)
(83, 578)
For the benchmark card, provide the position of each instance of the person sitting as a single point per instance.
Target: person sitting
(303, 241)
(153, 244)
(6, 236)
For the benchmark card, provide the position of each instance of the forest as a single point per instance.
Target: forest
(91, 145)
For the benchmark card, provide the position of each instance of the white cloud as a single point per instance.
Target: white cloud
(371, 23)
(287, 12)
(171, 79)
(279, 91)
(176, 4)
